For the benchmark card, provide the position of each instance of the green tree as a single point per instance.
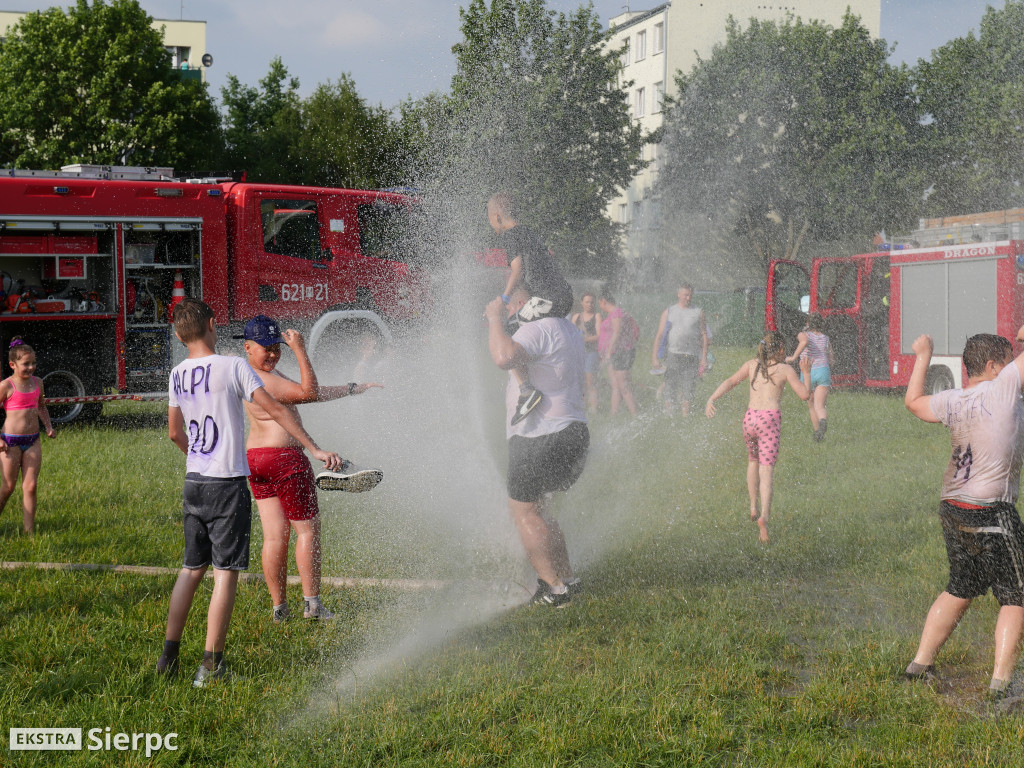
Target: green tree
(262, 125)
(536, 108)
(344, 142)
(973, 90)
(95, 85)
(789, 132)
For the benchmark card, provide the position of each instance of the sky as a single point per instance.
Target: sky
(396, 49)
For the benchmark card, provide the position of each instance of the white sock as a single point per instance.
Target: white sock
(560, 590)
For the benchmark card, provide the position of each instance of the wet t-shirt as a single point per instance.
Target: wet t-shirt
(541, 276)
(986, 425)
(556, 353)
(209, 392)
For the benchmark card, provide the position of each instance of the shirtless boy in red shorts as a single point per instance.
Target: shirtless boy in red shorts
(280, 474)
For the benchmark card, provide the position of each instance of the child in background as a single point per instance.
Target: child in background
(812, 343)
(21, 397)
(762, 423)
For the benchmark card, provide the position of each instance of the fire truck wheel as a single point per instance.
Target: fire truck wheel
(939, 379)
(350, 349)
(63, 383)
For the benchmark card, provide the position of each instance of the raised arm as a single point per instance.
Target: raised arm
(1019, 360)
(307, 389)
(917, 402)
(505, 352)
(725, 386)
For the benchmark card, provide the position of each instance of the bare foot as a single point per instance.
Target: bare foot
(754, 514)
(763, 534)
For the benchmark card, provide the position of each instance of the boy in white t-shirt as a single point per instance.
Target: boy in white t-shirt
(207, 422)
(980, 523)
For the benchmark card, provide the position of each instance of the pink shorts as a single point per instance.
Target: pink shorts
(287, 474)
(761, 432)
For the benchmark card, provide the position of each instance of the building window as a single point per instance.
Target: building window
(641, 46)
(659, 37)
(639, 102)
(625, 53)
(636, 215)
(659, 97)
(623, 214)
(180, 54)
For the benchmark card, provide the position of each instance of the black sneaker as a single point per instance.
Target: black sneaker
(527, 402)
(544, 596)
(350, 477)
(282, 614)
(167, 667)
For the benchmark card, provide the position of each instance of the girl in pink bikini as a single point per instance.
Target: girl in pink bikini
(21, 396)
(762, 424)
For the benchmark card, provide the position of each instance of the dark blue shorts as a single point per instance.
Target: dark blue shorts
(217, 516)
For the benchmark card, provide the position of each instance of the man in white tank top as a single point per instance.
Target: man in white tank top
(686, 355)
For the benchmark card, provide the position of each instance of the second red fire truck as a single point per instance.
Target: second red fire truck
(954, 277)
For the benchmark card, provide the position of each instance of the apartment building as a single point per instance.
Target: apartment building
(184, 40)
(666, 39)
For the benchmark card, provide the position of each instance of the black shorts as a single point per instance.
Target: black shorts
(623, 359)
(681, 376)
(218, 514)
(539, 465)
(986, 551)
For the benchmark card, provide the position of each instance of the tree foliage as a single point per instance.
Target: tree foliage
(95, 85)
(536, 109)
(344, 142)
(261, 125)
(331, 138)
(791, 131)
(973, 90)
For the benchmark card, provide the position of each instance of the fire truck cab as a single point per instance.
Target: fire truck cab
(91, 258)
(951, 279)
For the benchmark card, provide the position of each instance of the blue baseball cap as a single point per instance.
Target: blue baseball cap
(263, 330)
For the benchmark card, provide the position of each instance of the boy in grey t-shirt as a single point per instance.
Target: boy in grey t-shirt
(980, 523)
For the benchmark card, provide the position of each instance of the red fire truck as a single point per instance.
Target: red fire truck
(91, 256)
(951, 278)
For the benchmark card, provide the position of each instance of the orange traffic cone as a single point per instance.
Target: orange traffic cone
(177, 295)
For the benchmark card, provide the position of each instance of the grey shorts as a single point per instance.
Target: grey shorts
(986, 551)
(217, 516)
(681, 376)
(539, 465)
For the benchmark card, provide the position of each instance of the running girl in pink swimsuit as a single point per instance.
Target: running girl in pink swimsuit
(21, 396)
(762, 424)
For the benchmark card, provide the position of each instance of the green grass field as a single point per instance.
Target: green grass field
(693, 646)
